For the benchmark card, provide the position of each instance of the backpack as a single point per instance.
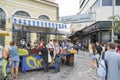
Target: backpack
(103, 68)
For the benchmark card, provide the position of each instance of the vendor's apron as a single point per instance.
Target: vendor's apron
(0, 55)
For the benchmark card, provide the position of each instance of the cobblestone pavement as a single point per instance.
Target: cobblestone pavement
(80, 71)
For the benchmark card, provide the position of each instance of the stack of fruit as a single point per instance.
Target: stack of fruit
(22, 52)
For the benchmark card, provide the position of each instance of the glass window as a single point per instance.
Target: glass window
(17, 35)
(22, 13)
(38, 37)
(44, 17)
(96, 6)
(2, 19)
(106, 2)
(106, 37)
(117, 2)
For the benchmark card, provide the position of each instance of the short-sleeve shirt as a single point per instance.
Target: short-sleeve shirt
(14, 53)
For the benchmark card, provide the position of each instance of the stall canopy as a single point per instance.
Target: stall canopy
(4, 33)
(38, 23)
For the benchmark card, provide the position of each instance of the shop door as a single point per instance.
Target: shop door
(94, 37)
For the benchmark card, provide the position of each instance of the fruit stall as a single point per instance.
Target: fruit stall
(32, 59)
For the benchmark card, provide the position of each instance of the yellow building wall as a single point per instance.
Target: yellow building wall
(34, 8)
(8, 38)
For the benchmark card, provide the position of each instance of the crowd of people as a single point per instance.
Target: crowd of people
(10, 55)
(111, 54)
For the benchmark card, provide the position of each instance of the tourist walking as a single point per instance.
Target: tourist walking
(56, 56)
(14, 60)
(113, 62)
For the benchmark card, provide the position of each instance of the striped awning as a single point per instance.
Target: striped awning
(38, 23)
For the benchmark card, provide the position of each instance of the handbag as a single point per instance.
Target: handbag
(102, 69)
(10, 60)
(49, 57)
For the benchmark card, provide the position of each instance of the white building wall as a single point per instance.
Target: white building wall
(104, 13)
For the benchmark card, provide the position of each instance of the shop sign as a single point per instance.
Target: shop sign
(32, 62)
(77, 18)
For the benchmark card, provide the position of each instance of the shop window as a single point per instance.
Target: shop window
(2, 19)
(117, 2)
(38, 37)
(17, 35)
(2, 25)
(106, 2)
(44, 17)
(106, 37)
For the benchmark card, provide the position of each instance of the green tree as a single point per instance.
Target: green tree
(116, 27)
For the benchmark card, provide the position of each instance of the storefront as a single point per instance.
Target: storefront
(30, 19)
(97, 32)
(23, 27)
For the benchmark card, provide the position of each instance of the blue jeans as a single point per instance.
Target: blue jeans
(57, 64)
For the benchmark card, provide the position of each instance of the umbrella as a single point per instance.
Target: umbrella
(4, 33)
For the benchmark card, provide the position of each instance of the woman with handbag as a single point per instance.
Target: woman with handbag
(14, 59)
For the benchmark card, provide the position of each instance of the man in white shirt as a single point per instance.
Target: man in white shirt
(50, 46)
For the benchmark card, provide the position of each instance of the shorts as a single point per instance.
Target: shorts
(15, 64)
(92, 56)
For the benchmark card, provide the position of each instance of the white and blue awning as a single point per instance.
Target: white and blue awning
(38, 23)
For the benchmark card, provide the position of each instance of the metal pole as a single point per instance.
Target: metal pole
(57, 21)
(113, 6)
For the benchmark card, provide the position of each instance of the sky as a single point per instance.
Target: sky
(68, 7)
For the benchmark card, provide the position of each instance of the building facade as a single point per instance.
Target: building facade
(32, 20)
(99, 29)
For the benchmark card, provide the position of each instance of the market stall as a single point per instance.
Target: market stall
(69, 56)
(31, 60)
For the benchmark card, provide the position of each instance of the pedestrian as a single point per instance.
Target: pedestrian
(93, 53)
(113, 62)
(50, 46)
(3, 57)
(44, 52)
(56, 56)
(118, 47)
(13, 60)
(99, 50)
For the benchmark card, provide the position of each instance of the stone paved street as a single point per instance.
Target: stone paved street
(80, 71)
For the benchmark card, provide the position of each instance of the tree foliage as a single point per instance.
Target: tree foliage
(116, 27)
